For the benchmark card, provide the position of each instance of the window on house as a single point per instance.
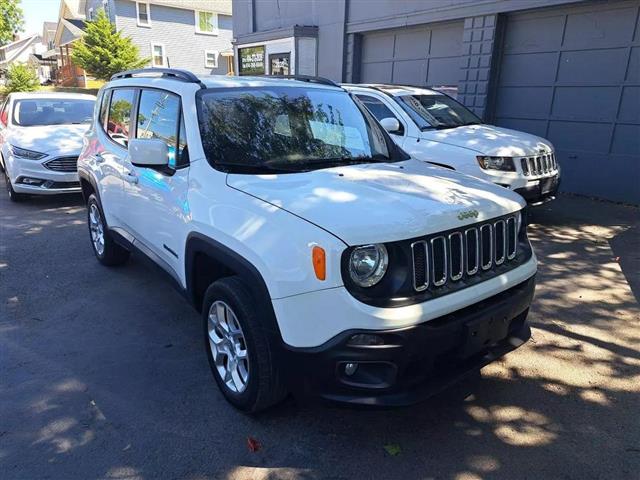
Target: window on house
(211, 59)
(119, 122)
(158, 57)
(105, 5)
(90, 14)
(143, 14)
(207, 22)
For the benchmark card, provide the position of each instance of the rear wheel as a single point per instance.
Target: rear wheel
(106, 250)
(238, 348)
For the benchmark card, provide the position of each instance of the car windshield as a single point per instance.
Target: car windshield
(289, 129)
(52, 111)
(436, 111)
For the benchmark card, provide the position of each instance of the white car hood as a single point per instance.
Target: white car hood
(58, 139)
(491, 140)
(381, 202)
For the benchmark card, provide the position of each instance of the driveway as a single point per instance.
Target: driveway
(103, 373)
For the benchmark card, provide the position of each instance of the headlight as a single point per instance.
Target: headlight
(497, 163)
(24, 153)
(368, 264)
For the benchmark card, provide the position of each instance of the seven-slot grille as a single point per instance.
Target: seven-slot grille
(442, 259)
(63, 164)
(539, 165)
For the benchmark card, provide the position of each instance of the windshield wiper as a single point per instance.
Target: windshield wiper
(257, 169)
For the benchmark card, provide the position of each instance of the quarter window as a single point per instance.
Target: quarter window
(104, 107)
(159, 117)
(207, 22)
(158, 57)
(379, 109)
(211, 59)
(119, 123)
(143, 14)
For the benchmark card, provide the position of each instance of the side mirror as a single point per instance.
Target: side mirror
(151, 152)
(390, 124)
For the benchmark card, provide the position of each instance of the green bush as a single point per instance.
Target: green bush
(21, 78)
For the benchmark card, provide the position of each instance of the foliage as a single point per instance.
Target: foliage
(11, 20)
(21, 78)
(103, 51)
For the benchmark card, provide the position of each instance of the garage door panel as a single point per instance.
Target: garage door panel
(528, 69)
(580, 136)
(630, 105)
(533, 34)
(377, 72)
(443, 71)
(536, 127)
(446, 41)
(593, 67)
(412, 44)
(412, 72)
(586, 103)
(633, 72)
(377, 47)
(524, 102)
(600, 29)
(626, 141)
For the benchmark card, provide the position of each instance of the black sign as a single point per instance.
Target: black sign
(251, 60)
(279, 63)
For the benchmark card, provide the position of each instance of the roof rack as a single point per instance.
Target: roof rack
(173, 73)
(308, 78)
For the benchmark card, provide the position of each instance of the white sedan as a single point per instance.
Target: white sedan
(40, 140)
(432, 126)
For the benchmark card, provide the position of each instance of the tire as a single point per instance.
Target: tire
(106, 250)
(263, 387)
(13, 195)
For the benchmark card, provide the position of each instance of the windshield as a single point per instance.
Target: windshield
(288, 129)
(436, 111)
(52, 111)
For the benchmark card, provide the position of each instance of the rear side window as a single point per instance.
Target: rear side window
(159, 117)
(378, 109)
(119, 123)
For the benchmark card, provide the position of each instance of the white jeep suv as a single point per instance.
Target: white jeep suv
(40, 140)
(432, 126)
(324, 260)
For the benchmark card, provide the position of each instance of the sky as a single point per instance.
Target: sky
(36, 12)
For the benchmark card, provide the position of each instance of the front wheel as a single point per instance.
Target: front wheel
(238, 348)
(13, 195)
(106, 250)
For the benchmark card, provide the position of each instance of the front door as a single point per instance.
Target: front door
(155, 198)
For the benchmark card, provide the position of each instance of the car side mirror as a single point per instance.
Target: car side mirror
(151, 152)
(390, 124)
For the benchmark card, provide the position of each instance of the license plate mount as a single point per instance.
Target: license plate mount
(482, 333)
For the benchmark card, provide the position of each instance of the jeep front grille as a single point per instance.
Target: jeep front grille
(445, 259)
(539, 165)
(63, 164)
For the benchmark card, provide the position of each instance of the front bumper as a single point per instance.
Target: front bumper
(542, 190)
(416, 362)
(25, 175)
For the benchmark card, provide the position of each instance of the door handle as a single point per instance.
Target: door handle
(131, 178)
(99, 158)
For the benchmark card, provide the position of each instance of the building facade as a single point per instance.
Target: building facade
(566, 70)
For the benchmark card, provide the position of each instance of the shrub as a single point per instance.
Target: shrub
(21, 78)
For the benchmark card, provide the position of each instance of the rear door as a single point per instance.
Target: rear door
(155, 204)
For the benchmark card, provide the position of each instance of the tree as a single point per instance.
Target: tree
(21, 78)
(103, 51)
(11, 20)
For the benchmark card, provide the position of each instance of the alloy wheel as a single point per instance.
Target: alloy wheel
(96, 228)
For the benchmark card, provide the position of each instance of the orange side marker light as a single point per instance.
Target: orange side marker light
(319, 262)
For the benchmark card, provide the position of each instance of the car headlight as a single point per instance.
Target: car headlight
(368, 264)
(24, 153)
(497, 163)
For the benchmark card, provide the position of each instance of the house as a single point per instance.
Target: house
(28, 50)
(566, 70)
(191, 34)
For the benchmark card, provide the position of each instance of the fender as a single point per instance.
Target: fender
(198, 243)
(84, 175)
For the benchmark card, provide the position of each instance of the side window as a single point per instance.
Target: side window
(158, 117)
(104, 108)
(119, 122)
(379, 109)
(182, 159)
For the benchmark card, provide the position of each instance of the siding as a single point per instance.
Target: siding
(175, 29)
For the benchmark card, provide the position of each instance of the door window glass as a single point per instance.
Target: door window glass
(379, 109)
(104, 106)
(119, 122)
(158, 116)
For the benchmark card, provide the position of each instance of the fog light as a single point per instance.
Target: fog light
(366, 339)
(350, 368)
(31, 181)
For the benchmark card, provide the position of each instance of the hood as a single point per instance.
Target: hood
(491, 140)
(58, 139)
(381, 202)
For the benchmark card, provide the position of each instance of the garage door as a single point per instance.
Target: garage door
(426, 55)
(573, 76)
